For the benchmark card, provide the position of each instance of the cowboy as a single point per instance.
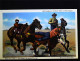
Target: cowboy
(16, 23)
(16, 26)
(19, 28)
(53, 21)
(63, 24)
(48, 35)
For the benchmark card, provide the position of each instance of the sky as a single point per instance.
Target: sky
(43, 17)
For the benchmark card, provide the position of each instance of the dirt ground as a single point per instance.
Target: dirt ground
(70, 37)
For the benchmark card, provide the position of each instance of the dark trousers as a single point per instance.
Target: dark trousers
(53, 26)
(46, 35)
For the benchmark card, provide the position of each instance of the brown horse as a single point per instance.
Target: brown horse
(24, 36)
(29, 33)
(52, 42)
(14, 34)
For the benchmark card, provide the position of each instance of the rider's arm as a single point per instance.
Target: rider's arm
(50, 21)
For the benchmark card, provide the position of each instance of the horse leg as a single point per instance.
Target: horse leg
(50, 51)
(46, 50)
(65, 48)
(35, 51)
(67, 43)
(34, 47)
(18, 45)
(11, 40)
(24, 47)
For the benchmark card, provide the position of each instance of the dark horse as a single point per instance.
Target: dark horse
(26, 36)
(52, 42)
(63, 24)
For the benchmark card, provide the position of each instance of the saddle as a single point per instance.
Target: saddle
(20, 28)
(17, 30)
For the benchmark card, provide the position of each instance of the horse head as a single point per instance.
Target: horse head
(63, 22)
(37, 23)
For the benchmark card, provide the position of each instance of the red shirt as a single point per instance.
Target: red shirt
(16, 24)
(54, 32)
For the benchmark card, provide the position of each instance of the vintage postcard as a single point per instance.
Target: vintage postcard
(38, 34)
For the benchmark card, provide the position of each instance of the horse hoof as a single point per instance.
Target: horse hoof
(36, 55)
(22, 53)
(68, 51)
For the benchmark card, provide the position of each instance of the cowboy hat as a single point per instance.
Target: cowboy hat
(16, 20)
(54, 14)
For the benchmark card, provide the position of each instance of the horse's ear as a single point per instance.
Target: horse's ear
(26, 23)
(34, 19)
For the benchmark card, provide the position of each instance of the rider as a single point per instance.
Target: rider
(19, 28)
(48, 35)
(53, 21)
(16, 25)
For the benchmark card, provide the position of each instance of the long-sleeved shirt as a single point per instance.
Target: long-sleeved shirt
(53, 21)
(54, 32)
(16, 24)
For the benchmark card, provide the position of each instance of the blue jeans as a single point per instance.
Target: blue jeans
(53, 26)
(45, 34)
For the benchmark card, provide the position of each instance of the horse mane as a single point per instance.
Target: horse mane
(28, 28)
